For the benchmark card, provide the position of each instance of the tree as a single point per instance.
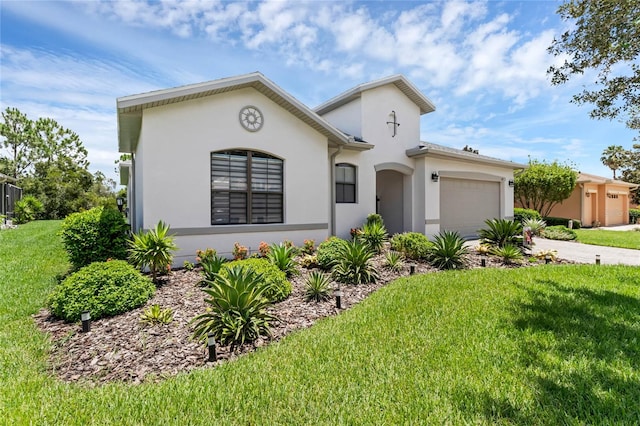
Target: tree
(20, 143)
(631, 171)
(543, 185)
(614, 157)
(604, 39)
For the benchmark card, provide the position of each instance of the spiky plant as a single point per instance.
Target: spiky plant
(317, 287)
(354, 265)
(237, 309)
(281, 255)
(211, 265)
(500, 232)
(536, 225)
(374, 234)
(154, 314)
(153, 249)
(394, 260)
(447, 251)
(508, 253)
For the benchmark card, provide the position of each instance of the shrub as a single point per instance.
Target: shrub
(309, 247)
(520, 214)
(394, 260)
(211, 265)
(237, 310)
(374, 234)
(536, 225)
(309, 261)
(153, 249)
(275, 281)
(634, 216)
(328, 252)
(94, 236)
(500, 232)
(281, 256)
(354, 265)
(317, 287)
(559, 233)
(205, 255)
(508, 253)
(374, 218)
(239, 252)
(188, 265)
(156, 315)
(263, 249)
(102, 288)
(562, 221)
(447, 251)
(413, 245)
(27, 209)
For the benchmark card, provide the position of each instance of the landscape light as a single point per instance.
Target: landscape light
(211, 345)
(597, 259)
(85, 316)
(338, 295)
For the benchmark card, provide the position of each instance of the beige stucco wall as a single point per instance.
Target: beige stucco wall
(173, 160)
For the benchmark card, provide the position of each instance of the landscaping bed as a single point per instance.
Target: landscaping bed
(122, 348)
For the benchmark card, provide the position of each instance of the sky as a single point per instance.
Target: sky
(483, 64)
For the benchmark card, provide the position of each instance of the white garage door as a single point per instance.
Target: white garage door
(465, 204)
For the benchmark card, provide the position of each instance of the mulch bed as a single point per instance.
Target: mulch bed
(122, 348)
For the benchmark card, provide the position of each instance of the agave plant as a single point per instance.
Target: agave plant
(237, 309)
(447, 251)
(536, 225)
(211, 266)
(153, 249)
(375, 234)
(509, 253)
(500, 232)
(354, 265)
(317, 287)
(394, 260)
(154, 314)
(281, 255)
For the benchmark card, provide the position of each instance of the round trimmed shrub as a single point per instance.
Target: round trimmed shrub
(278, 288)
(102, 288)
(328, 252)
(95, 235)
(413, 245)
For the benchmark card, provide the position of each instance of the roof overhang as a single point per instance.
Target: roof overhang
(130, 108)
(432, 150)
(404, 85)
(599, 180)
(6, 178)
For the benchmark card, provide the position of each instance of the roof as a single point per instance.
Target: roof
(588, 178)
(130, 107)
(6, 178)
(398, 80)
(428, 149)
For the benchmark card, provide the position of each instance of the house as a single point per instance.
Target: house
(9, 195)
(241, 160)
(597, 200)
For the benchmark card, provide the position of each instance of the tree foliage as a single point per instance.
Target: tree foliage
(50, 163)
(543, 185)
(631, 170)
(614, 157)
(603, 39)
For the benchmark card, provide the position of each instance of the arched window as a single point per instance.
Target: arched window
(246, 187)
(345, 183)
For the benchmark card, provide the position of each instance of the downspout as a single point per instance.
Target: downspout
(582, 195)
(332, 190)
(132, 195)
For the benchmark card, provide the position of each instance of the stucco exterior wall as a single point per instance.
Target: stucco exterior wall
(173, 160)
(347, 118)
(571, 208)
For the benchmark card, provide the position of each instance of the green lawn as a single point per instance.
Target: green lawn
(601, 237)
(540, 345)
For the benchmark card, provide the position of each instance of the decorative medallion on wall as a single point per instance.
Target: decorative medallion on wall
(251, 118)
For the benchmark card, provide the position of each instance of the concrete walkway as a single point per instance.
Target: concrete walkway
(586, 253)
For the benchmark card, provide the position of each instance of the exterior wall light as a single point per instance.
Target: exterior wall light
(512, 183)
(85, 316)
(120, 203)
(435, 176)
(211, 346)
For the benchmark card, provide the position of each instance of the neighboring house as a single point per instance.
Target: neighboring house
(241, 160)
(597, 200)
(9, 195)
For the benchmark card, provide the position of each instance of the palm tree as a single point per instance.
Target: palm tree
(614, 157)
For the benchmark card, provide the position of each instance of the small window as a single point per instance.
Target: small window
(246, 187)
(345, 183)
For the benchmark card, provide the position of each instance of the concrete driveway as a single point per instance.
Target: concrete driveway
(586, 253)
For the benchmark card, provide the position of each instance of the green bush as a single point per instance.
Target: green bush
(237, 310)
(153, 249)
(281, 255)
(317, 287)
(562, 221)
(374, 234)
(413, 245)
(103, 288)
(374, 218)
(277, 286)
(500, 232)
(520, 214)
(211, 265)
(94, 236)
(508, 253)
(634, 215)
(354, 265)
(394, 260)
(448, 251)
(559, 232)
(27, 209)
(328, 252)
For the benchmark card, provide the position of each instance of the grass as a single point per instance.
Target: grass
(601, 237)
(539, 345)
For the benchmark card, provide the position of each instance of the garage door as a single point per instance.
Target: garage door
(465, 204)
